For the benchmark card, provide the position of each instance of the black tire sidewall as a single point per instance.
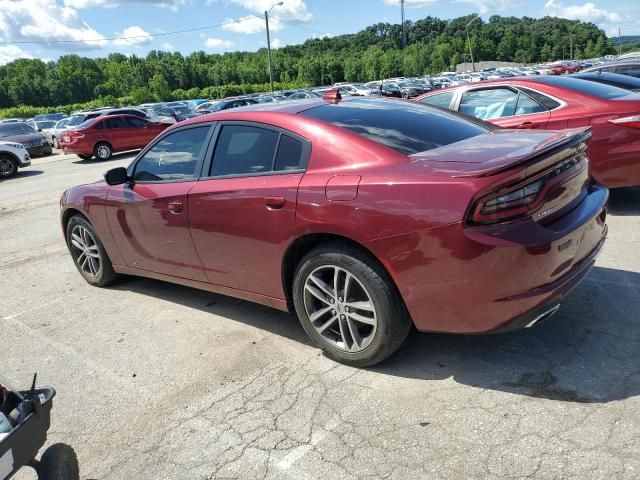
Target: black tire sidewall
(105, 274)
(390, 311)
(53, 461)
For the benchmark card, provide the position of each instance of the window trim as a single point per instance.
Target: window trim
(198, 169)
(513, 87)
(206, 167)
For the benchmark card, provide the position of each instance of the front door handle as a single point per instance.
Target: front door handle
(176, 207)
(274, 203)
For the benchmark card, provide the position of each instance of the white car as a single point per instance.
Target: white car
(358, 89)
(12, 156)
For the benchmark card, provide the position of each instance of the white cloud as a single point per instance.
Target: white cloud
(483, 6)
(167, 46)
(45, 20)
(276, 43)
(137, 35)
(587, 12)
(9, 53)
(172, 4)
(250, 24)
(218, 43)
(289, 11)
(294, 11)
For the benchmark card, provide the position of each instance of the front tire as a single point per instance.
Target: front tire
(59, 462)
(103, 151)
(88, 253)
(85, 157)
(8, 167)
(349, 306)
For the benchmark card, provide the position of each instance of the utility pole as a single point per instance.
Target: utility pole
(619, 42)
(469, 41)
(404, 41)
(266, 21)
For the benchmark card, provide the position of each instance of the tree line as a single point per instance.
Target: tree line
(433, 45)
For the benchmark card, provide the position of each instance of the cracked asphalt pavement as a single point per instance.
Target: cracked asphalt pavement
(157, 381)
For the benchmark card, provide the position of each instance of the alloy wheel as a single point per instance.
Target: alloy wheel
(85, 250)
(340, 308)
(104, 151)
(7, 167)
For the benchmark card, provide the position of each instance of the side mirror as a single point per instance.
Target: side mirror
(39, 129)
(116, 176)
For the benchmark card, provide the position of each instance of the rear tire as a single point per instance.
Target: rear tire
(8, 167)
(359, 322)
(59, 462)
(88, 253)
(103, 151)
(54, 142)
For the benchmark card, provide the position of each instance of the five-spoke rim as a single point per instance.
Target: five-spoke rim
(340, 308)
(6, 167)
(85, 250)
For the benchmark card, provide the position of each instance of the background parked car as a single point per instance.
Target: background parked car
(20, 132)
(218, 105)
(627, 67)
(12, 157)
(614, 79)
(103, 136)
(56, 131)
(558, 102)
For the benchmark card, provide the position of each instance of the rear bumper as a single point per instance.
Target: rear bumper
(474, 280)
(76, 148)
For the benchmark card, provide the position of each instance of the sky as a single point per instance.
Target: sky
(96, 28)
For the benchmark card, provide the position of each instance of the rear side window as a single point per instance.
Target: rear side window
(248, 150)
(117, 122)
(586, 87)
(136, 122)
(489, 103)
(289, 156)
(175, 157)
(548, 102)
(442, 100)
(406, 127)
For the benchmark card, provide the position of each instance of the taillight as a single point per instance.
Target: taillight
(526, 197)
(76, 135)
(632, 121)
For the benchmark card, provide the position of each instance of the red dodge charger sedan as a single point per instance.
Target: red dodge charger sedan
(363, 216)
(103, 136)
(560, 102)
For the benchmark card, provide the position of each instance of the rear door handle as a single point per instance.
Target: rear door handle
(274, 203)
(176, 207)
(527, 125)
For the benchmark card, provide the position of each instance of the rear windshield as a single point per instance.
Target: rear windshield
(17, 128)
(584, 86)
(406, 127)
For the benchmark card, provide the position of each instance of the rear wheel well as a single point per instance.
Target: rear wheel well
(303, 245)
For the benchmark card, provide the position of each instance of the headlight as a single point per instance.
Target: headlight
(19, 146)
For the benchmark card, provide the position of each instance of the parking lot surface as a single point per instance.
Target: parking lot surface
(157, 381)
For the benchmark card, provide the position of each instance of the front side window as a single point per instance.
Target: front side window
(489, 103)
(136, 122)
(442, 100)
(631, 70)
(175, 157)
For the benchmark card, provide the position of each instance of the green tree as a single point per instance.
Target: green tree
(160, 87)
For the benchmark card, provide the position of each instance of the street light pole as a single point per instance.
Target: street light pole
(619, 42)
(469, 41)
(404, 42)
(266, 21)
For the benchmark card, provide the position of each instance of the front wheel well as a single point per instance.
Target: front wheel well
(66, 216)
(304, 244)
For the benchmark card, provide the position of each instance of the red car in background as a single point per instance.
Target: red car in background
(363, 216)
(103, 136)
(553, 103)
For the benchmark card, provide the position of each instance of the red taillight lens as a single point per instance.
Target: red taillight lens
(524, 198)
(76, 135)
(632, 121)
